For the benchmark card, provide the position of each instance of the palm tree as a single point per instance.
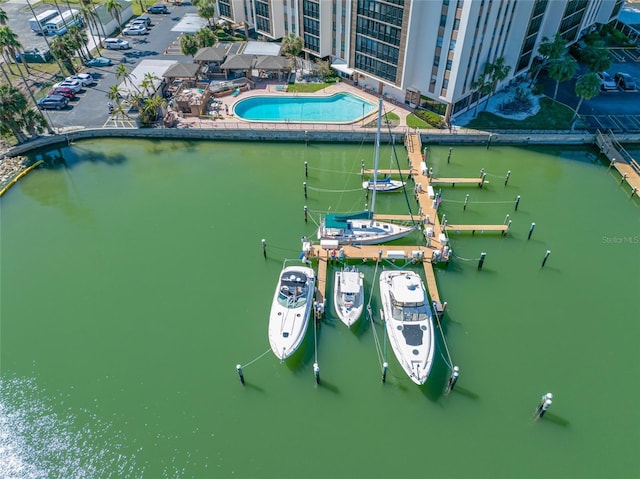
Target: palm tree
(80, 40)
(562, 70)
(549, 51)
(114, 8)
(148, 83)
(207, 10)
(291, 45)
(89, 17)
(188, 45)
(498, 71)
(152, 109)
(4, 19)
(596, 57)
(64, 50)
(205, 37)
(10, 45)
(482, 85)
(33, 122)
(115, 93)
(587, 87)
(123, 75)
(46, 40)
(12, 104)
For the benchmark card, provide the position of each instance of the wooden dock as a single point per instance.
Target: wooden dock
(428, 217)
(389, 172)
(621, 160)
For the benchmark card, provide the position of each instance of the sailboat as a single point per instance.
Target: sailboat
(360, 228)
(385, 184)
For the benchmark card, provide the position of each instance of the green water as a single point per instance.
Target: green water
(133, 282)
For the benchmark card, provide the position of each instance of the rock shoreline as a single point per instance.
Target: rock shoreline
(10, 167)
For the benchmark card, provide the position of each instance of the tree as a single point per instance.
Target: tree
(10, 46)
(207, 10)
(324, 69)
(596, 57)
(16, 116)
(547, 52)
(587, 87)
(482, 85)
(90, 18)
(4, 18)
(152, 110)
(64, 50)
(561, 70)
(115, 9)
(123, 75)
(46, 40)
(497, 72)
(79, 38)
(205, 37)
(291, 45)
(188, 45)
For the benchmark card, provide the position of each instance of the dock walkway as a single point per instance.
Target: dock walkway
(621, 160)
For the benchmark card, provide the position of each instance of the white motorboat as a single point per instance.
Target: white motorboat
(360, 228)
(348, 295)
(290, 310)
(383, 185)
(409, 321)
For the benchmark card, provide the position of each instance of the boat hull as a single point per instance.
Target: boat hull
(365, 232)
(383, 187)
(290, 310)
(409, 322)
(348, 295)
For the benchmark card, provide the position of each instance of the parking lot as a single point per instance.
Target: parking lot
(617, 110)
(90, 106)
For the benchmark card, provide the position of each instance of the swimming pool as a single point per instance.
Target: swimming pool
(338, 108)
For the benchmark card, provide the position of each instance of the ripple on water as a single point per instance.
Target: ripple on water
(37, 442)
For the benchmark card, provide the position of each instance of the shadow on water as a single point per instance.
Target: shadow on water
(68, 157)
(555, 419)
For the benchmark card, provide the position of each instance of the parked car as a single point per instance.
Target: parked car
(63, 91)
(53, 102)
(625, 81)
(73, 85)
(135, 29)
(158, 8)
(146, 21)
(98, 62)
(84, 78)
(116, 44)
(607, 83)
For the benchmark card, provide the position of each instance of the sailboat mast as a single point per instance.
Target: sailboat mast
(376, 158)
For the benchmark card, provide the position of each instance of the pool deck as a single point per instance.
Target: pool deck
(267, 88)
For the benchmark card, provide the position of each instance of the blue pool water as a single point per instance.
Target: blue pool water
(338, 108)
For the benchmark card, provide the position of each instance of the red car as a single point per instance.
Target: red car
(63, 91)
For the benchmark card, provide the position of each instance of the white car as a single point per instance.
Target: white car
(116, 44)
(74, 85)
(84, 78)
(606, 82)
(135, 29)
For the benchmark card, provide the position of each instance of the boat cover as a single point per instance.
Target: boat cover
(339, 221)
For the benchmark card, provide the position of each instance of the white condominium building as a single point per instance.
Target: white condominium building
(428, 52)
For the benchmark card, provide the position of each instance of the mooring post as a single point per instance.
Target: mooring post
(483, 255)
(483, 178)
(466, 200)
(545, 404)
(362, 168)
(517, 202)
(453, 379)
(544, 260)
(489, 141)
(533, 225)
(239, 369)
(506, 180)
(611, 163)
(481, 172)
(306, 169)
(264, 248)
(633, 191)
(624, 177)
(385, 366)
(316, 372)
(304, 185)
(306, 138)
(306, 213)
(449, 157)
(506, 219)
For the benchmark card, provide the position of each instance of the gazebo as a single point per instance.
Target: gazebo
(273, 66)
(210, 58)
(240, 64)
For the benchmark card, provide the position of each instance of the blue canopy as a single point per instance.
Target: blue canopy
(340, 220)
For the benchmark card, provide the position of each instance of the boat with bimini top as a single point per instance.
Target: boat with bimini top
(290, 309)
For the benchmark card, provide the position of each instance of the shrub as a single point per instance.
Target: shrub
(431, 118)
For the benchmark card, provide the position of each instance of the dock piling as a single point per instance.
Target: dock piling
(545, 404)
(533, 225)
(306, 213)
(483, 255)
(316, 372)
(306, 169)
(453, 379)
(506, 180)
(544, 260)
(385, 367)
(466, 200)
(449, 157)
(304, 185)
(517, 202)
(239, 369)
(264, 248)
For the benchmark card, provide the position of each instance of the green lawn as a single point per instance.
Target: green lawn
(306, 87)
(552, 116)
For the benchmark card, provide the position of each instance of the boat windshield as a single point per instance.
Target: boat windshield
(293, 291)
(410, 314)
